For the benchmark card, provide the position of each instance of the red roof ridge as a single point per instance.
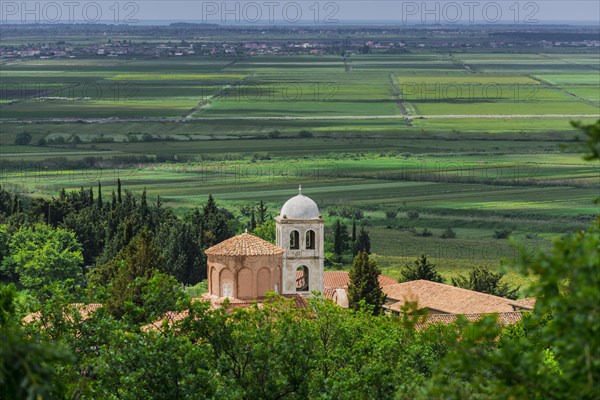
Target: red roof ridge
(244, 245)
(446, 298)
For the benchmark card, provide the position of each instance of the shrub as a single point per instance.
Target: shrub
(305, 134)
(412, 215)
(426, 233)
(421, 269)
(23, 138)
(448, 234)
(146, 137)
(274, 134)
(260, 156)
(502, 233)
(42, 142)
(391, 214)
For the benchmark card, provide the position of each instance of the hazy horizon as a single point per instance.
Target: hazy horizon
(346, 12)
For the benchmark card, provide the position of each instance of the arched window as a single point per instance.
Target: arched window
(294, 240)
(310, 240)
(302, 279)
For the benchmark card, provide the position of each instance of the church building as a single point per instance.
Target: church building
(245, 267)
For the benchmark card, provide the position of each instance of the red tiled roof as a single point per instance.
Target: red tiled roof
(528, 303)
(442, 298)
(506, 318)
(244, 245)
(341, 279)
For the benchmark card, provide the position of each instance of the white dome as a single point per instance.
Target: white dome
(300, 207)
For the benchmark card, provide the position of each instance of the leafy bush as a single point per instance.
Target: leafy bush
(421, 269)
(391, 214)
(274, 134)
(304, 134)
(426, 233)
(448, 234)
(502, 233)
(412, 215)
(23, 138)
(481, 279)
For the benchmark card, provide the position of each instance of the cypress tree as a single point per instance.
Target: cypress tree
(144, 204)
(99, 195)
(252, 221)
(119, 198)
(262, 210)
(363, 242)
(364, 284)
(337, 238)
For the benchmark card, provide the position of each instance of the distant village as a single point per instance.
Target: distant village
(200, 40)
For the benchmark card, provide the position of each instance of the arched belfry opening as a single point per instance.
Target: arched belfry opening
(302, 279)
(294, 240)
(300, 232)
(310, 239)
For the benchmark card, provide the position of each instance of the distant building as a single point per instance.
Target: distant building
(246, 267)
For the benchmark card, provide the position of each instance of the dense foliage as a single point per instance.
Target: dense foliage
(482, 279)
(103, 227)
(421, 269)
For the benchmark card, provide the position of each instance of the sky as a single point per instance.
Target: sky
(293, 12)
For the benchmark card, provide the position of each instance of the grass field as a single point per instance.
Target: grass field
(474, 175)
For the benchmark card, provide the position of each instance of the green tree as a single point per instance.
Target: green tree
(252, 224)
(592, 145)
(180, 251)
(134, 279)
(340, 238)
(214, 224)
(481, 279)
(39, 255)
(100, 202)
(448, 234)
(363, 242)
(266, 231)
(27, 363)
(262, 212)
(23, 138)
(421, 269)
(89, 228)
(364, 284)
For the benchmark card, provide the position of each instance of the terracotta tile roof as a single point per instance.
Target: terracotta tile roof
(341, 279)
(527, 303)
(442, 298)
(244, 245)
(506, 318)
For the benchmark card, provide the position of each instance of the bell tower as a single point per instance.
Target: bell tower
(300, 232)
